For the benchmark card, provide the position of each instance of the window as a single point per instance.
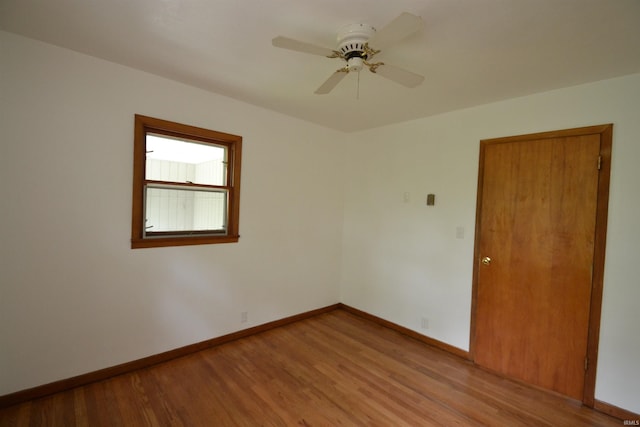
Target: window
(186, 185)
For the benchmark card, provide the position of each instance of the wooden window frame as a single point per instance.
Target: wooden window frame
(233, 143)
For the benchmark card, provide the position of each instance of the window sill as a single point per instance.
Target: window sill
(159, 242)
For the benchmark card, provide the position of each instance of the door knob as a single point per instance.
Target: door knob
(486, 260)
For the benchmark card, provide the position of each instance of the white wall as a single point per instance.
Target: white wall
(402, 261)
(74, 297)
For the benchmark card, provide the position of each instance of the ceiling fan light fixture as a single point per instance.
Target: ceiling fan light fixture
(355, 63)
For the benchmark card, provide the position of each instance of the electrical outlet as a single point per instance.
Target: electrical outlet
(244, 317)
(424, 323)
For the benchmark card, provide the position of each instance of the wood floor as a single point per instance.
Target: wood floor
(335, 369)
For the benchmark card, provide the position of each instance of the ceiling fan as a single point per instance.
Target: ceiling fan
(354, 49)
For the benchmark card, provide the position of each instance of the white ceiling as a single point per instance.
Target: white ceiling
(471, 51)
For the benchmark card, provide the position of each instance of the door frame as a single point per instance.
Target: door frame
(602, 206)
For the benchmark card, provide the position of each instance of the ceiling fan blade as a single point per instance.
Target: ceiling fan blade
(403, 26)
(291, 44)
(399, 75)
(331, 82)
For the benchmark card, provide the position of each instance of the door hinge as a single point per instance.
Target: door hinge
(599, 162)
(586, 363)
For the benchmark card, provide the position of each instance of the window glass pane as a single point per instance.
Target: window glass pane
(179, 160)
(184, 210)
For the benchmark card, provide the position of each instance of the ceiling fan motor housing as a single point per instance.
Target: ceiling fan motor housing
(351, 43)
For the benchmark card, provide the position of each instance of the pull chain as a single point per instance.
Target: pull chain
(358, 87)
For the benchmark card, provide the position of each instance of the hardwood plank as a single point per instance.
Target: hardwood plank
(333, 369)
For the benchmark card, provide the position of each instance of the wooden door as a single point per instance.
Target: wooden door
(539, 236)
